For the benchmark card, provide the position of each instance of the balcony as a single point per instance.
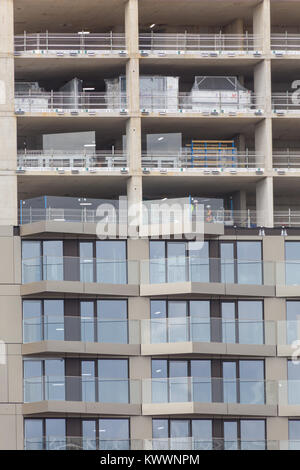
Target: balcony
(84, 443)
(74, 162)
(85, 335)
(184, 395)
(289, 397)
(209, 103)
(285, 103)
(288, 335)
(173, 443)
(247, 161)
(187, 335)
(71, 44)
(285, 44)
(218, 276)
(59, 103)
(213, 45)
(85, 389)
(78, 275)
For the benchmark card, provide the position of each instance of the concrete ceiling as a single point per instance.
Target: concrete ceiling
(195, 12)
(68, 15)
(285, 12)
(93, 186)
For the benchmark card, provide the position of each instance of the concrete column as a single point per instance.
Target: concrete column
(262, 26)
(133, 128)
(263, 143)
(8, 134)
(277, 433)
(264, 202)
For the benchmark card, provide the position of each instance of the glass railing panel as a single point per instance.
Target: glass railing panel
(80, 269)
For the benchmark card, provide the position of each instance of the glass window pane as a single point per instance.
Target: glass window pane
(88, 381)
(292, 257)
(112, 321)
(113, 381)
(294, 434)
(87, 321)
(53, 262)
(229, 382)
(177, 321)
(32, 321)
(55, 434)
(114, 434)
(227, 262)
(180, 434)
(199, 263)
(251, 327)
(202, 434)
(86, 252)
(201, 381)
(31, 261)
(54, 328)
(158, 321)
(160, 384)
(160, 433)
(253, 435)
(230, 435)
(157, 262)
(252, 387)
(177, 262)
(249, 263)
(111, 262)
(293, 383)
(89, 436)
(293, 321)
(55, 379)
(33, 434)
(178, 381)
(228, 322)
(33, 382)
(200, 321)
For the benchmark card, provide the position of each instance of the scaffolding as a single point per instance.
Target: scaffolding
(213, 153)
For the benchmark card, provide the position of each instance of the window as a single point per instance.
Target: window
(42, 260)
(174, 321)
(241, 262)
(292, 261)
(172, 261)
(103, 261)
(106, 434)
(44, 379)
(294, 434)
(206, 321)
(242, 322)
(45, 434)
(293, 383)
(293, 321)
(238, 381)
(207, 434)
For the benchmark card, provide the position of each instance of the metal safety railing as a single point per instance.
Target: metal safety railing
(211, 102)
(81, 42)
(193, 43)
(210, 159)
(288, 43)
(286, 102)
(52, 159)
(286, 158)
(56, 101)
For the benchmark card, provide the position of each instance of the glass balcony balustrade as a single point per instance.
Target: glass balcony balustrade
(206, 330)
(84, 389)
(80, 328)
(207, 270)
(209, 390)
(91, 270)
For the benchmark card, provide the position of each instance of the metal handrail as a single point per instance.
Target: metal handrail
(285, 42)
(189, 43)
(61, 101)
(69, 42)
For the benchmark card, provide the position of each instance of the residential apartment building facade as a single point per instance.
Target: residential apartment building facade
(133, 341)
